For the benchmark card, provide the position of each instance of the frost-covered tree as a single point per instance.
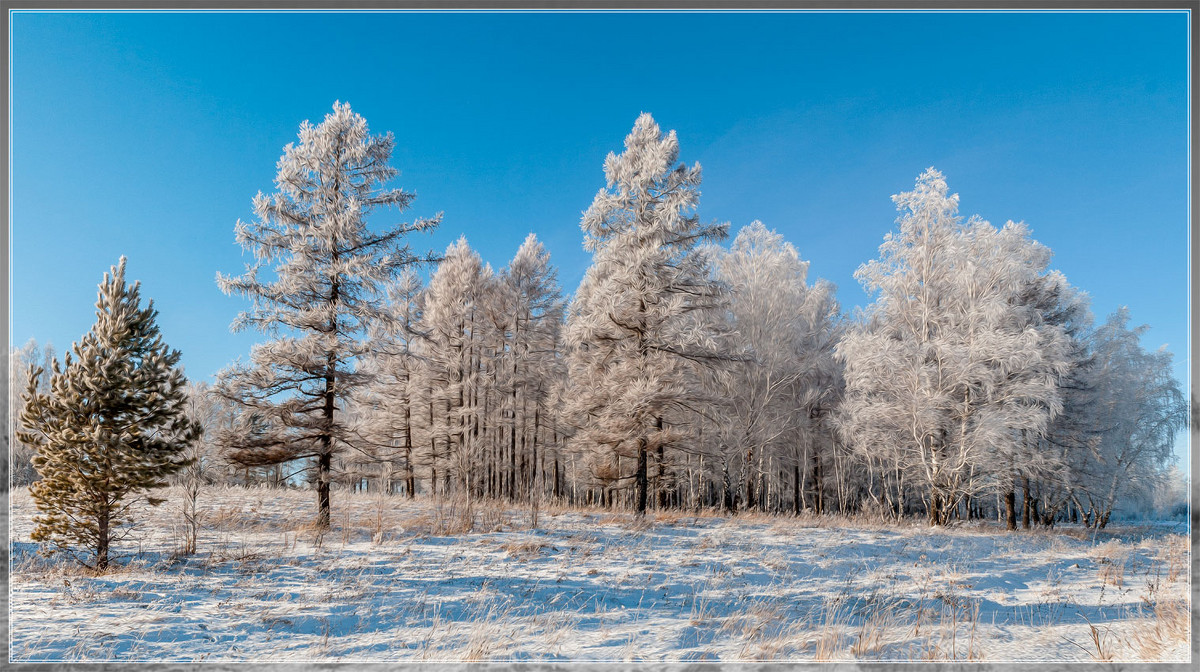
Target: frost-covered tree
(329, 274)
(779, 396)
(1170, 500)
(452, 326)
(393, 400)
(530, 313)
(112, 427)
(634, 339)
(20, 360)
(1047, 465)
(6, 442)
(465, 386)
(209, 412)
(948, 363)
(1141, 408)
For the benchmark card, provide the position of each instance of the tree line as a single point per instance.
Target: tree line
(681, 374)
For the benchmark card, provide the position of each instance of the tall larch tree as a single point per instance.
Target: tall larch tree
(393, 398)
(452, 327)
(532, 324)
(112, 427)
(329, 275)
(632, 334)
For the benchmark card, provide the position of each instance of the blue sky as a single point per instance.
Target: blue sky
(147, 134)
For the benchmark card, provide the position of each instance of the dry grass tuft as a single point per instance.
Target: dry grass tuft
(524, 549)
(829, 641)
(873, 632)
(1111, 556)
(1104, 652)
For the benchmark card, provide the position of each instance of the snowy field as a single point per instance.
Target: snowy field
(398, 580)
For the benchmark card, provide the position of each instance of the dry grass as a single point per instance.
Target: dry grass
(1101, 641)
(829, 645)
(524, 549)
(1111, 557)
(1174, 552)
(1167, 625)
(873, 632)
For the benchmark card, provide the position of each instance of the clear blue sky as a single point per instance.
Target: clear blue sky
(147, 134)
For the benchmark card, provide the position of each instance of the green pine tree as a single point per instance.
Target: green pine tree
(111, 428)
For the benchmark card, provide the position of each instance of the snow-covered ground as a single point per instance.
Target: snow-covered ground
(402, 580)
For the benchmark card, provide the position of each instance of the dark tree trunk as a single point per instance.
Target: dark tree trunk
(641, 477)
(818, 485)
(512, 452)
(1025, 512)
(410, 480)
(797, 502)
(325, 458)
(554, 442)
(660, 480)
(533, 460)
(730, 505)
(432, 449)
(324, 461)
(750, 501)
(102, 541)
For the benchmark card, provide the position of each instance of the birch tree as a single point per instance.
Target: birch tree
(948, 364)
(207, 412)
(1143, 408)
(329, 271)
(1050, 463)
(20, 361)
(790, 379)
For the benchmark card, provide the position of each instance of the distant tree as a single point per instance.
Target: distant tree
(6, 473)
(1170, 500)
(391, 405)
(1142, 409)
(112, 427)
(635, 341)
(330, 275)
(21, 471)
(209, 412)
